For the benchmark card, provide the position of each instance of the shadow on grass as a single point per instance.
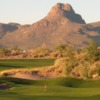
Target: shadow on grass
(24, 97)
(10, 66)
(16, 81)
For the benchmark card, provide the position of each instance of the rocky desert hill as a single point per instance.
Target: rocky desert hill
(62, 25)
(5, 28)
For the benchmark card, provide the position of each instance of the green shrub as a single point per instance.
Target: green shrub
(4, 51)
(40, 52)
(93, 53)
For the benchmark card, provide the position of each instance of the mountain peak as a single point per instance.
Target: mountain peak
(63, 7)
(60, 27)
(65, 10)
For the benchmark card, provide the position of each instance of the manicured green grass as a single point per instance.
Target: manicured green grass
(57, 89)
(25, 63)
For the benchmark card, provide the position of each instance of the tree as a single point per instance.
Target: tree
(40, 52)
(4, 52)
(65, 50)
(93, 53)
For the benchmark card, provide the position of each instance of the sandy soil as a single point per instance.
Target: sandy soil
(27, 76)
(35, 74)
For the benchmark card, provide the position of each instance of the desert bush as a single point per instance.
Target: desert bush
(4, 52)
(40, 52)
(94, 69)
(66, 63)
(65, 51)
(85, 70)
(16, 50)
(93, 53)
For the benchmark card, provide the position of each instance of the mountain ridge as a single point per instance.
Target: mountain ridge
(61, 26)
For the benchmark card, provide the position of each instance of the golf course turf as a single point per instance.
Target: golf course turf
(56, 89)
(25, 63)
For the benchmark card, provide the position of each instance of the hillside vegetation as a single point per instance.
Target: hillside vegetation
(73, 63)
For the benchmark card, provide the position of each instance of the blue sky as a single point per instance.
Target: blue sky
(30, 11)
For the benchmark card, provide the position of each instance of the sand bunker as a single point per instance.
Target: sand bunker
(35, 74)
(27, 76)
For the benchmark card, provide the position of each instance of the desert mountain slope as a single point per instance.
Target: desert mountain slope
(61, 26)
(5, 28)
(95, 26)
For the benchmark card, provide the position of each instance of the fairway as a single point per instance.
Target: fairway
(57, 89)
(25, 63)
(49, 50)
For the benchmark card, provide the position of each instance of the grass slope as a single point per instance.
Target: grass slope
(57, 89)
